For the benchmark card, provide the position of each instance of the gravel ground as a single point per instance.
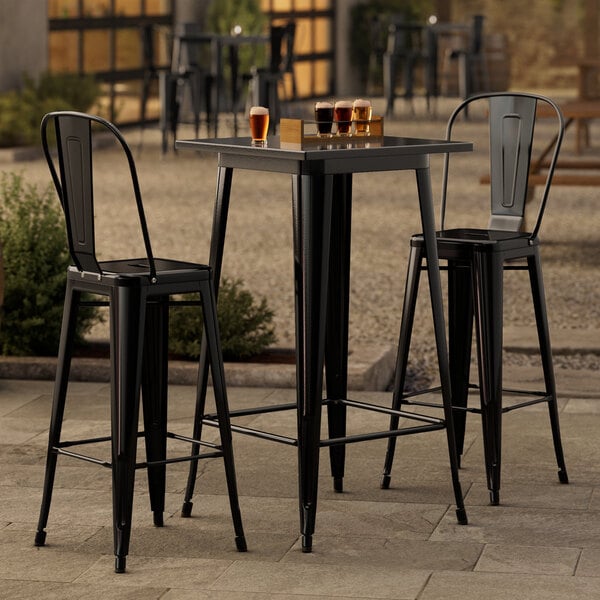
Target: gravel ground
(179, 191)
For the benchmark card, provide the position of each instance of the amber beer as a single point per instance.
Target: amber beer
(324, 118)
(342, 113)
(259, 124)
(361, 115)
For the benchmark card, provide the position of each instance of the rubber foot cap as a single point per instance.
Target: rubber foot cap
(158, 519)
(338, 484)
(40, 538)
(494, 497)
(120, 564)
(385, 482)
(240, 542)
(307, 543)
(186, 510)
(563, 477)
(461, 516)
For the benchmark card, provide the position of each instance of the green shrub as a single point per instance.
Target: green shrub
(224, 15)
(21, 111)
(36, 257)
(245, 326)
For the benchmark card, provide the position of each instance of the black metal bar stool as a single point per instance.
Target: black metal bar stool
(137, 292)
(476, 260)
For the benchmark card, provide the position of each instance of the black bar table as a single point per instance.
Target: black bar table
(322, 203)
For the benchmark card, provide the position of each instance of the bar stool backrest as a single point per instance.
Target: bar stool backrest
(511, 117)
(74, 183)
(404, 37)
(282, 38)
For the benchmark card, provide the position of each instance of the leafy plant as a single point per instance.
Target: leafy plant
(21, 111)
(35, 257)
(246, 327)
(224, 15)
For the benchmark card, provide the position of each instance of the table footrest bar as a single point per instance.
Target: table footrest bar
(282, 439)
(389, 411)
(257, 410)
(184, 438)
(362, 437)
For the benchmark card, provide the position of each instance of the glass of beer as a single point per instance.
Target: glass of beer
(361, 115)
(324, 118)
(259, 125)
(342, 113)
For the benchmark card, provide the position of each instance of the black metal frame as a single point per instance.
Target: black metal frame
(477, 259)
(322, 215)
(137, 292)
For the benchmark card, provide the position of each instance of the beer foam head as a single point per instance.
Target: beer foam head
(343, 104)
(360, 103)
(259, 110)
(323, 104)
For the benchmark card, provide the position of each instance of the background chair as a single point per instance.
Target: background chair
(266, 82)
(408, 47)
(469, 54)
(476, 259)
(137, 292)
(190, 82)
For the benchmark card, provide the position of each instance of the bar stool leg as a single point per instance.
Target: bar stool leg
(411, 290)
(65, 351)
(127, 331)
(201, 390)
(154, 401)
(460, 334)
(488, 317)
(541, 319)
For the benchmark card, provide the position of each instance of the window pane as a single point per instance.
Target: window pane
(303, 72)
(93, 8)
(322, 77)
(128, 8)
(303, 43)
(96, 51)
(63, 51)
(281, 5)
(322, 35)
(63, 9)
(303, 4)
(129, 51)
(157, 7)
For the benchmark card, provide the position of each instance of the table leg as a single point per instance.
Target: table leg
(217, 243)
(435, 290)
(312, 200)
(336, 341)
